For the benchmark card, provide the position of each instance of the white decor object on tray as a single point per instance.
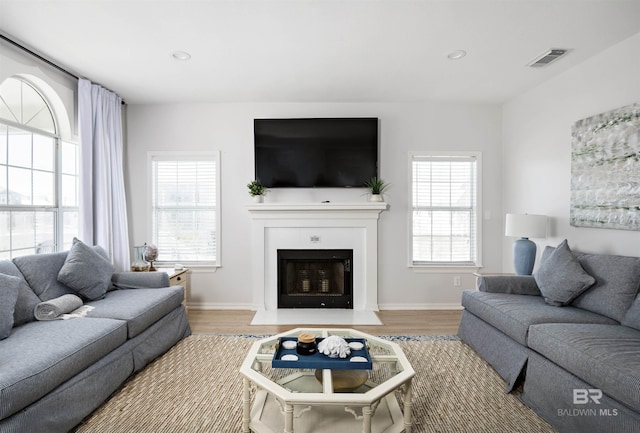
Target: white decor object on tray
(356, 345)
(334, 347)
(289, 344)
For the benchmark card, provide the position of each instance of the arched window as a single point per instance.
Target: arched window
(38, 175)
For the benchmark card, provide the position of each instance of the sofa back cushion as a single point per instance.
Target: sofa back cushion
(41, 272)
(616, 287)
(617, 283)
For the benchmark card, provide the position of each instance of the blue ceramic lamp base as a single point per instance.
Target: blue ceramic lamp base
(524, 256)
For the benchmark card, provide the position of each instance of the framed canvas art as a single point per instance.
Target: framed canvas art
(605, 170)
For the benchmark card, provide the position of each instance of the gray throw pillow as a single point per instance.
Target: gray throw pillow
(561, 278)
(8, 296)
(86, 271)
(25, 305)
(632, 316)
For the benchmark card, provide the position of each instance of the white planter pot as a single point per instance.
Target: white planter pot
(258, 198)
(375, 197)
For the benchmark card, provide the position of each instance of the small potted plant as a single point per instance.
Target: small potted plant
(376, 188)
(256, 190)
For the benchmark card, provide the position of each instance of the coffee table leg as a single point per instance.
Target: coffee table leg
(407, 407)
(246, 405)
(366, 419)
(288, 418)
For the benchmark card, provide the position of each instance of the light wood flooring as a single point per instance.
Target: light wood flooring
(413, 322)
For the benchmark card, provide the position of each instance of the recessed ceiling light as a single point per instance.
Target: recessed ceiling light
(181, 55)
(457, 54)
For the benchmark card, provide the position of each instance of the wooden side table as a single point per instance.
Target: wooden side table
(179, 277)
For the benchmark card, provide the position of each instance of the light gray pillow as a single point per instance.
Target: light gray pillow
(632, 317)
(26, 303)
(86, 271)
(561, 278)
(8, 296)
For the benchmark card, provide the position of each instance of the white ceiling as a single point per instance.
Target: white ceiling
(316, 50)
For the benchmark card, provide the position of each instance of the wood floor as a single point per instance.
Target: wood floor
(414, 322)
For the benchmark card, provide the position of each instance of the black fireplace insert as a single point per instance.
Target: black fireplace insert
(315, 279)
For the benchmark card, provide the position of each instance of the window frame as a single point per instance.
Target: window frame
(443, 267)
(57, 208)
(185, 156)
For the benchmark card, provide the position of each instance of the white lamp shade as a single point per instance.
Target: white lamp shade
(526, 226)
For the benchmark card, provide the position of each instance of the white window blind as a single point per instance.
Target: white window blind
(185, 208)
(444, 210)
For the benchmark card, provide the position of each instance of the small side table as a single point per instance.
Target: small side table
(179, 277)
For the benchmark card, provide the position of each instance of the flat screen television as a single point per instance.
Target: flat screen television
(316, 153)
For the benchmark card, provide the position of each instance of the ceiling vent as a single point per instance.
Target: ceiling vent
(549, 56)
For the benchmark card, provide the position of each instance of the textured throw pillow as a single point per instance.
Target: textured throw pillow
(632, 316)
(561, 278)
(26, 303)
(8, 296)
(86, 271)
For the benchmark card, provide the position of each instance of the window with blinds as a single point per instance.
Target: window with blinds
(185, 210)
(444, 217)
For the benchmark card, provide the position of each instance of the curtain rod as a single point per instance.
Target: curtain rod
(42, 59)
(38, 56)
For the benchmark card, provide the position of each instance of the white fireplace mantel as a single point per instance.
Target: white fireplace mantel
(315, 226)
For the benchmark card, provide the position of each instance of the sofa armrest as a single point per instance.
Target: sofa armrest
(140, 280)
(511, 284)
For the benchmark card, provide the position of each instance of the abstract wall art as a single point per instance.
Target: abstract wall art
(605, 170)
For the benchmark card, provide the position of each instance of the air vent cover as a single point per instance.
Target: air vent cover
(547, 57)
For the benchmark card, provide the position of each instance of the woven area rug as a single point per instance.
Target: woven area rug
(196, 387)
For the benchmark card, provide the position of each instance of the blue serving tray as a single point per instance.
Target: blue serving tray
(319, 360)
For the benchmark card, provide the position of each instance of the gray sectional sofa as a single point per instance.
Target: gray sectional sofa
(566, 340)
(54, 373)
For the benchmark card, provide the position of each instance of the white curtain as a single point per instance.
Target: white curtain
(103, 209)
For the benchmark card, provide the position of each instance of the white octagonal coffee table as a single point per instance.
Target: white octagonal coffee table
(294, 399)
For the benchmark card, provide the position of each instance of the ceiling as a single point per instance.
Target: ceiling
(316, 50)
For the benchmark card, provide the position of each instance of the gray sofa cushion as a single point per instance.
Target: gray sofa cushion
(56, 350)
(513, 314)
(9, 290)
(515, 284)
(139, 307)
(632, 316)
(605, 356)
(139, 280)
(617, 282)
(86, 271)
(40, 271)
(561, 278)
(27, 300)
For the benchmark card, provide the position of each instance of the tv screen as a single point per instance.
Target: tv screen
(316, 153)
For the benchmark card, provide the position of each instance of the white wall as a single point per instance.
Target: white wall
(403, 127)
(537, 145)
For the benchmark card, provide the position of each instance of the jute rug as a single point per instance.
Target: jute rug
(196, 387)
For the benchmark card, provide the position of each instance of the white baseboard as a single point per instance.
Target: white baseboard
(420, 306)
(251, 307)
(219, 306)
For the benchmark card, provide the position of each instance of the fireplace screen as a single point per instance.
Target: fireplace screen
(315, 279)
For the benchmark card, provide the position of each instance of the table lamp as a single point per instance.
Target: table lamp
(525, 226)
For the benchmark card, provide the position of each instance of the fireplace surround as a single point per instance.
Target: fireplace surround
(319, 226)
